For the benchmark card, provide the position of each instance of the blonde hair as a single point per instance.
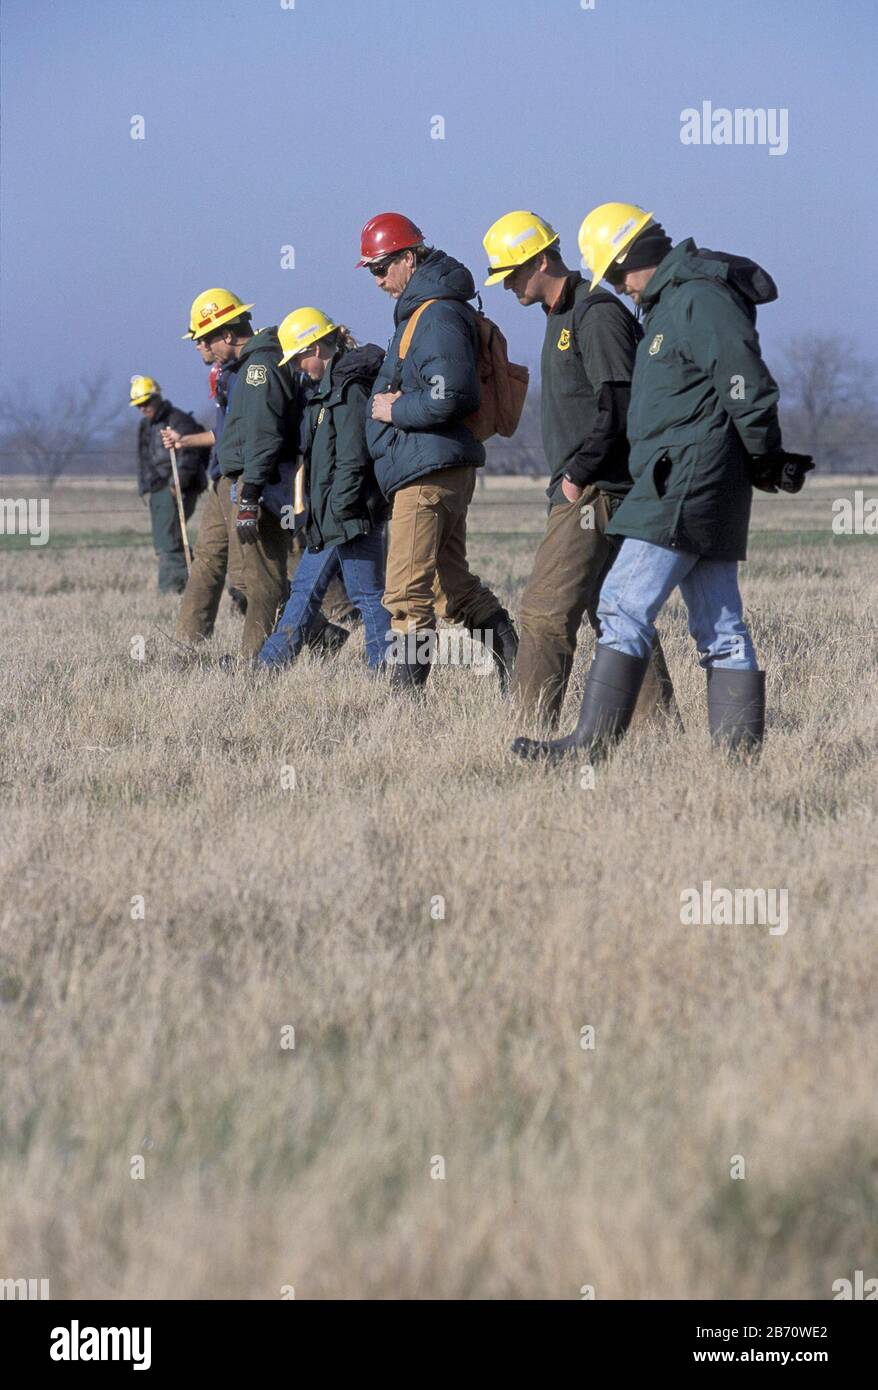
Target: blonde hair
(343, 337)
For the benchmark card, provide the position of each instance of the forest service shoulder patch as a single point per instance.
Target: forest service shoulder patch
(257, 375)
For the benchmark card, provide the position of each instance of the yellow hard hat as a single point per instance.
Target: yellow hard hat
(605, 233)
(142, 387)
(300, 329)
(212, 309)
(512, 240)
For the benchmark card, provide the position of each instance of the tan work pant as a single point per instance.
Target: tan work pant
(263, 570)
(570, 566)
(427, 571)
(217, 557)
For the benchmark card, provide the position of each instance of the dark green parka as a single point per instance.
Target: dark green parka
(344, 500)
(702, 401)
(260, 438)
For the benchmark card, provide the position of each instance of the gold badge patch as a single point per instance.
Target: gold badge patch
(656, 344)
(257, 375)
(564, 340)
(321, 414)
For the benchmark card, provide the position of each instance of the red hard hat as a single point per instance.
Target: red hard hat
(386, 233)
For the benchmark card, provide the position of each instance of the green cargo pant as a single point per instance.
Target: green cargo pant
(167, 538)
(571, 563)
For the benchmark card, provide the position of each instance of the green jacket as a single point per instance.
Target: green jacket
(344, 500)
(702, 401)
(260, 435)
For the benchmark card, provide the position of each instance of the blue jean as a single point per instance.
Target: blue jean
(361, 562)
(641, 581)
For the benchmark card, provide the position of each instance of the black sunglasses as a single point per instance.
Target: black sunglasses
(381, 267)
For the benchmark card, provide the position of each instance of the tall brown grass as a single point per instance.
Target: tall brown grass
(419, 1035)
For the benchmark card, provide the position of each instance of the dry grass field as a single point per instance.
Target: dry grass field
(428, 1029)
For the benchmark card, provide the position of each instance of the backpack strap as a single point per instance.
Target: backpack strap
(405, 342)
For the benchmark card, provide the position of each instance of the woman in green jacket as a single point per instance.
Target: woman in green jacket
(344, 524)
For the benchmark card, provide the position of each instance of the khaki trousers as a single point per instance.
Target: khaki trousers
(217, 557)
(428, 575)
(263, 573)
(571, 563)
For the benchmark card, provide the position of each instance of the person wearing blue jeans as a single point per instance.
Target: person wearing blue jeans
(343, 526)
(703, 430)
(642, 580)
(361, 565)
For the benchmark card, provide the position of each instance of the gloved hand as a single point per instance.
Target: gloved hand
(779, 469)
(247, 523)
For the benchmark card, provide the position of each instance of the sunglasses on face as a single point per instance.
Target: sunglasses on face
(382, 267)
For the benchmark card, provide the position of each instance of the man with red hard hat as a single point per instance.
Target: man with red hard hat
(387, 234)
(425, 456)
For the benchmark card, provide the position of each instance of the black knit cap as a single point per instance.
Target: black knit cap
(647, 249)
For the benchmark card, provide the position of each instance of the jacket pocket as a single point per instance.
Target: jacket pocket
(669, 471)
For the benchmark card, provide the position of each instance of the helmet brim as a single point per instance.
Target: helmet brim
(497, 275)
(373, 260)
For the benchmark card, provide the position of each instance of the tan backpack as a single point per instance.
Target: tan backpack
(503, 383)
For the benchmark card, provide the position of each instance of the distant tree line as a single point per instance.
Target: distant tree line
(828, 409)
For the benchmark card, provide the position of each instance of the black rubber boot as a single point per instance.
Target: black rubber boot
(736, 709)
(409, 676)
(329, 639)
(611, 692)
(239, 601)
(503, 643)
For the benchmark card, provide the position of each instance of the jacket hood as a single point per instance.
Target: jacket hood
(438, 277)
(357, 364)
(686, 261)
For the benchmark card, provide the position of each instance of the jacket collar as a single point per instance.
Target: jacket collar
(567, 295)
(667, 271)
(324, 386)
(265, 338)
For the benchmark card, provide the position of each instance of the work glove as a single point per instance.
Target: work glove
(247, 523)
(779, 470)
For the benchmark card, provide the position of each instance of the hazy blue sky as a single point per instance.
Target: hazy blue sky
(268, 126)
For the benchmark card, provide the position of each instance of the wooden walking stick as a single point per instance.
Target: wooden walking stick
(180, 511)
